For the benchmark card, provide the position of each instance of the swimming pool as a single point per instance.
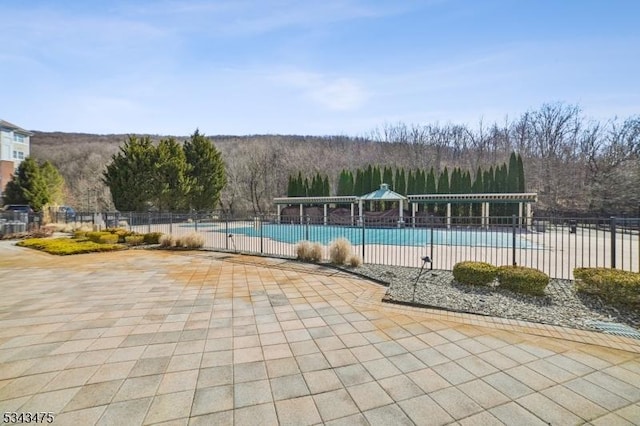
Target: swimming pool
(292, 233)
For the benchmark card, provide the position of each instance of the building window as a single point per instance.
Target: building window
(18, 155)
(18, 138)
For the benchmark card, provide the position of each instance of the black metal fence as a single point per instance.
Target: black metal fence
(551, 244)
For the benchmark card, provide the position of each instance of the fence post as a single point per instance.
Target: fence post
(612, 228)
(261, 240)
(306, 229)
(513, 240)
(432, 256)
(148, 221)
(226, 232)
(170, 223)
(196, 221)
(363, 232)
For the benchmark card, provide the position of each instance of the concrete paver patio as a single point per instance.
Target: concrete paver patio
(154, 337)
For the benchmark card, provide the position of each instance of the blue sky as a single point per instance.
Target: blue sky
(308, 66)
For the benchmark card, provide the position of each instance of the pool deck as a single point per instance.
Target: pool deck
(176, 338)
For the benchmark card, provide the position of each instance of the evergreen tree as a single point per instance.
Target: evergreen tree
(512, 174)
(130, 175)
(326, 189)
(478, 185)
(488, 181)
(54, 181)
(443, 182)
(454, 183)
(28, 186)
(430, 188)
(411, 183)
(420, 182)
(376, 178)
(477, 188)
(430, 185)
(401, 183)
(350, 184)
(521, 183)
(358, 185)
(306, 187)
(291, 187)
(342, 183)
(387, 176)
(368, 179)
(300, 189)
(206, 172)
(173, 181)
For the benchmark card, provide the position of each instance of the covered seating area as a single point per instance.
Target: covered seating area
(386, 195)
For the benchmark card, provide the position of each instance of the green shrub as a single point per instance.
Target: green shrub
(474, 273)
(613, 285)
(80, 234)
(66, 246)
(108, 239)
(522, 279)
(152, 237)
(95, 235)
(122, 233)
(134, 240)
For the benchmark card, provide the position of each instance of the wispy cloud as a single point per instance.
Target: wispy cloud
(330, 92)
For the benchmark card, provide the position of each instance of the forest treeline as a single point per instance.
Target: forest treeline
(576, 165)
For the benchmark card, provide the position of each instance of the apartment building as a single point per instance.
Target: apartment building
(14, 147)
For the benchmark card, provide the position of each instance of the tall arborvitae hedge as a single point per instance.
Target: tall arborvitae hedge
(503, 178)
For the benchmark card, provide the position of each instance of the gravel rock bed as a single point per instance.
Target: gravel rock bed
(561, 305)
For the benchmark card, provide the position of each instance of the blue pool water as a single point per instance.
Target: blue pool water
(390, 236)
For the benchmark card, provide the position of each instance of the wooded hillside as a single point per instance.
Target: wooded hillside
(575, 165)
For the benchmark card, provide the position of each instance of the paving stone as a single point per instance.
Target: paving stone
(252, 393)
(369, 395)
(170, 406)
(455, 402)
(424, 410)
(93, 395)
(298, 411)
(287, 387)
(263, 414)
(548, 410)
(322, 381)
(211, 400)
(335, 404)
(400, 387)
(134, 411)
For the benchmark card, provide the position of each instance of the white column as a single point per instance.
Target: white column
(401, 212)
(529, 215)
(413, 213)
(485, 215)
(352, 213)
(361, 219)
(279, 209)
(325, 214)
(520, 214)
(301, 214)
(448, 215)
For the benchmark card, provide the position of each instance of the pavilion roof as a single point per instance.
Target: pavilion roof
(383, 194)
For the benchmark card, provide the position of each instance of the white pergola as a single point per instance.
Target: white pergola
(308, 201)
(524, 201)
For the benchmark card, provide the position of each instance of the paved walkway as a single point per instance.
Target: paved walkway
(142, 337)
